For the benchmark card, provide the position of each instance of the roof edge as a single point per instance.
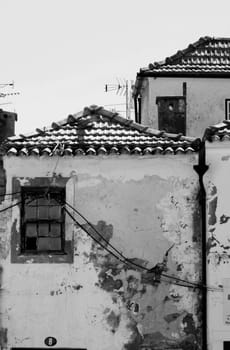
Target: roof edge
(182, 74)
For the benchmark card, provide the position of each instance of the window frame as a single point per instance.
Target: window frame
(17, 255)
(42, 190)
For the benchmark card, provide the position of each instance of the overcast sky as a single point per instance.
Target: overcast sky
(61, 53)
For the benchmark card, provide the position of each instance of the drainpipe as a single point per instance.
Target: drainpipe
(139, 109)
(201, 169)
(135, 108)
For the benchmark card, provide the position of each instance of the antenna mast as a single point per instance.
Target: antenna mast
(2, 94)
(122, 89)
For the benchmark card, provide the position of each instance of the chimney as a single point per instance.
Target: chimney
(7, 124)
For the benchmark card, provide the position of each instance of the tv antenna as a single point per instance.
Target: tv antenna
(122, 89)
(4, 94)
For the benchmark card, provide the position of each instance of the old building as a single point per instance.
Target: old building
(101, 237)
(188, 91)
(218, 240)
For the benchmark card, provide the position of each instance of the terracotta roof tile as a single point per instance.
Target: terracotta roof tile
(218, 132)
(96, 131)
(207, 55)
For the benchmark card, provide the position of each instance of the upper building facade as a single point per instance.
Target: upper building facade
(188, 91)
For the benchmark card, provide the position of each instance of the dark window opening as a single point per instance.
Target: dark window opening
(42, 220)
(226, 345)
(172, 114)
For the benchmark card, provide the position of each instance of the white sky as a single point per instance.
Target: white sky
(61, 53)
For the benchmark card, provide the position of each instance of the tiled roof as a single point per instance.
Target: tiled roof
(218, 132)
(96, 131)
(205, 56)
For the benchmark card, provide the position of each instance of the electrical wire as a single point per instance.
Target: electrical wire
(20, 202)
(102, 237)
(121, 257)
(10, 194)
(127, 261)
(11, 206)
(194, 284)
(96, 240)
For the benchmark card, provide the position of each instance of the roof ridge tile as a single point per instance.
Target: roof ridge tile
(96, 128)
(217, 132)
(198, 52)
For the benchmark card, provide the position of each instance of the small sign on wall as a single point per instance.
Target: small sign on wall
(50, 341)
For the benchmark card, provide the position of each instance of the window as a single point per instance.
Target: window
(227, 109)
(42, 220)
(172, 114)
(43, 235)
(226, 345)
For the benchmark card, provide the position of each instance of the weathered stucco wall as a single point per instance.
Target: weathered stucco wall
(147, 208)
(205, 101)
(218, 244)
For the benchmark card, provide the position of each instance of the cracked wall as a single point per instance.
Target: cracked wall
(147, 208)
(218, 244)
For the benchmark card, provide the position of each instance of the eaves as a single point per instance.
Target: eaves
(152, 74)
(223, 75)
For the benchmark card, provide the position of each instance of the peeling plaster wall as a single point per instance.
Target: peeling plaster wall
(218, 243)
(205, 101)
(147, 208)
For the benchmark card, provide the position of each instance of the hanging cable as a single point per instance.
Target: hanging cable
(96, 240)
(10, 194)
(102, 237)
(11, 206)
(127, 261)
(121, 257)
(20, 202)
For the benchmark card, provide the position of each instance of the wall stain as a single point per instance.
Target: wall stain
(106, 231)
(136, 338)
(113, 321)
(77, 286)
(132, 285)
(197, 223)
(3, 337)
(211, 243)
(157, 340)
(213, 189)
(212, 211)
(171, 317)
(189, 324)
(224, 158)
(2, 181)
